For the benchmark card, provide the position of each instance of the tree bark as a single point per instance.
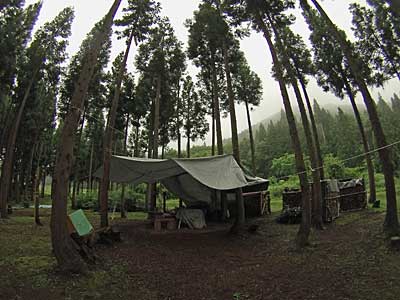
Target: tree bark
(232, 111)
(64, 250)
(251, 137)
(35, 188)
(220, 147)
(178, 123)
(305, 226)
(122, 203)
(43, 184)
(317, 189)
(213, 132)
(7, 168)
(108, 138)
(314, 128)
(391, 223)
(368, 160)
(91, 167)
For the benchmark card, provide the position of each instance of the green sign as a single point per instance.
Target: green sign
(81, 223)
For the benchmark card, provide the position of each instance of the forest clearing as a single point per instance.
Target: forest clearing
(150, 151)
(349, 260)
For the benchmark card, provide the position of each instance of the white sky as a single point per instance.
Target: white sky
(88, 12)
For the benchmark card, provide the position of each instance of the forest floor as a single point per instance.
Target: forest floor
(349, 260)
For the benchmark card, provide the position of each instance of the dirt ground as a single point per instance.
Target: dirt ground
(349, 260)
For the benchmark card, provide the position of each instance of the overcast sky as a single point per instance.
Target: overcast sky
(88, 12)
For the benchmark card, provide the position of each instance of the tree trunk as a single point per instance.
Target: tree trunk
(368, 160)
(188, 145)
(305, 226)
(91, 167)
(213, 132)
(28, 179)
(232, 111)
(64, 250)
(317, 189)
(251, 137)
(7, 168)
(108, 138)
(122, 203)
(74, 192)
(220, 147)
(152, 197)
(35, 189)
(43, 185)
(178, 123)
(314, 128)
(391, 223)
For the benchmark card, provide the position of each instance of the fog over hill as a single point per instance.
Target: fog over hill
(331, 107)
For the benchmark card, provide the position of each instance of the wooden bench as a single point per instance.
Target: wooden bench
(170, 223)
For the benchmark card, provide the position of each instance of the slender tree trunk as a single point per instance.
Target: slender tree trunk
(122, 203)
(152, 198)
(156, 118)
(317, 189)
(43, 185)
(188, 143)
(35, 188)
(305, 226)
(368, 160)
(64, 250)
(28, 179)
(178, 123)
(136, 152)
(7, 168)
(251, 137)
(220, 147)
(91, 166)
(391, 223)
(314, 128)
(232, 111)
(108, 138)
(213, 132)
(74, 192)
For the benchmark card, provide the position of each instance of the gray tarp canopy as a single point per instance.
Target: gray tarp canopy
(192, 179)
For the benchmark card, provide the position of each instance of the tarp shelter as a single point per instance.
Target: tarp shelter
(194, 180)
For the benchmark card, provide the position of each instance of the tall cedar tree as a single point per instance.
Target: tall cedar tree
(391, 223)
(204, 49)
(49, 42)
(16, 25)
(194, 114)
(93, 105)
(67, 257)
(332, 75)
(138, 18)
(248, 90)
(155, 62)
(255, 12)
(285, 48)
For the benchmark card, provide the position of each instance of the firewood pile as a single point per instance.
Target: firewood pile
(353, 195)
(291, 198)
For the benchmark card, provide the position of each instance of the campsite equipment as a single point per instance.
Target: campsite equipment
(167, 219)
(193, 218)
(194, 180)
(337, 196)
